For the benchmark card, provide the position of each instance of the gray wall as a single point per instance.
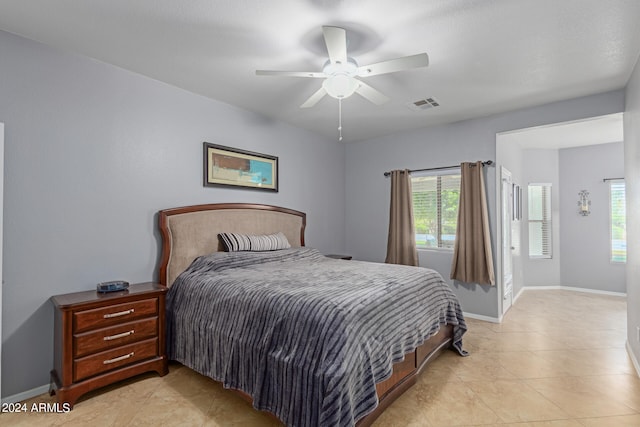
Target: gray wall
(367, 190)
(632, 180)
(92, 153)
(541, 166)
(585, 240)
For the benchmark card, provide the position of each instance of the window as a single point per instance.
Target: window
(618, 220)
(539, 220)
(435, 209)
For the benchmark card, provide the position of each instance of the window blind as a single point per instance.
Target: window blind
(539, 197)
(435, 209)
(618, 221)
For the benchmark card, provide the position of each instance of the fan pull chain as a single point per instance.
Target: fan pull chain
(339, 119)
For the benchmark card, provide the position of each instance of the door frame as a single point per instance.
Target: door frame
(506, 239)
(1, 238)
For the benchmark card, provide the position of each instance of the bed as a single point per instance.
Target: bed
(310, 339)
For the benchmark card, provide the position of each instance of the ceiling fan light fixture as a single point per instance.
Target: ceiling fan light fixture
(340, 82)
(340, 86)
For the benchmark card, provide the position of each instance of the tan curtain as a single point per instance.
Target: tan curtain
(401, 243)
(472, 257)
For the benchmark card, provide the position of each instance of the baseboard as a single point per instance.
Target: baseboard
(26, 394)
(573, 289)
(518, 295)
(481, 317)
(632, 356)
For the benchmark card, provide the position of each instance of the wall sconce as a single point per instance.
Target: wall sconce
(584, 203)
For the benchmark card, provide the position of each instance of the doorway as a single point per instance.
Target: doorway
(549, 153)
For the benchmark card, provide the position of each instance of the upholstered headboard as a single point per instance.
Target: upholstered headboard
(192, 231)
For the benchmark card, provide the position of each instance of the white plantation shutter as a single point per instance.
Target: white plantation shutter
(618, 219)
(539, 220)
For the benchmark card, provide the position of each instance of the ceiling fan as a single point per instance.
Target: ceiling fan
(340, 71)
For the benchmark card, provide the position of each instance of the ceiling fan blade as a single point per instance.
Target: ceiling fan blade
(371, 94)
(393, 65)
(313, 99)
(336, 40)
(313, 74)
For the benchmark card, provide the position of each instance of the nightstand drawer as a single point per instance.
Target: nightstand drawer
(114, 314)
(113, 359)
(114, 336)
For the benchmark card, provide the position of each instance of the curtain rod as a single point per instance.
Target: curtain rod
(487, 163)
(612, 179)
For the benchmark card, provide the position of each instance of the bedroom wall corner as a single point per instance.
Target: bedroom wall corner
(93, 152)
(632, 179)
(585, 240)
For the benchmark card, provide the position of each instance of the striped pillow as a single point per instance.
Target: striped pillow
(233, 242)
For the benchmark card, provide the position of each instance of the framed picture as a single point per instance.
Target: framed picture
(226, 166)
(517, 202)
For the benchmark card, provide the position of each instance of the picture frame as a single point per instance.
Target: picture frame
(517, 202)
(232, 167)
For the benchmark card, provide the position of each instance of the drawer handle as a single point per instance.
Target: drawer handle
(118, 314)
(117, 359)
(116, 336)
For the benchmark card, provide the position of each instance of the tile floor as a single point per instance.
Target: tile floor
(558, 359)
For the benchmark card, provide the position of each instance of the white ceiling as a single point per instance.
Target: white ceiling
(486, 56)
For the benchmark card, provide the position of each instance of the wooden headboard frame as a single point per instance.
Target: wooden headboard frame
(191, 231)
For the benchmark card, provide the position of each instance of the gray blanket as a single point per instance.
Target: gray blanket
(306, 336)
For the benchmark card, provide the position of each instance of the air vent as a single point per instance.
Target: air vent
(424, 104)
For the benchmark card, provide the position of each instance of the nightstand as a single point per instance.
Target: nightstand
(338, 256)
(102, 338)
